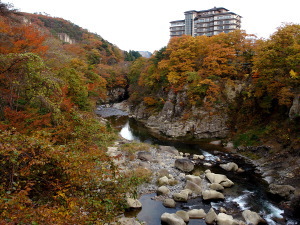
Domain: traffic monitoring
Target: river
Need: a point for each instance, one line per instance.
(249, 191)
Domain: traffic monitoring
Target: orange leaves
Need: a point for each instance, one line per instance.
(150, 101)
(20, 39)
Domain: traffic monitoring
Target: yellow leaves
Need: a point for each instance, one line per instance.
(294, 75)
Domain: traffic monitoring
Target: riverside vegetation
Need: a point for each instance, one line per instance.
(54, 165)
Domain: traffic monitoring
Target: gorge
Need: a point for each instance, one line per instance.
(249, 192)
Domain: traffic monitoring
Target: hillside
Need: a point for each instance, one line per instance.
(230, 87)
(52, 145)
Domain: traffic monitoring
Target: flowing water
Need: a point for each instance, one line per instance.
(249, 191)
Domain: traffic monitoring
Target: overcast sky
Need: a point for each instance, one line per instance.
(144, 25)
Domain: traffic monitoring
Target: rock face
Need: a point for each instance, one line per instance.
(116, 94)
(184, 165)
(295, 109)
(284, 191)
(253, 218)
(203, 123)
(172, 219)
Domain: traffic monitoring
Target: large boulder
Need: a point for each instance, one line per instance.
(196, 213)
(211, 216)
(227, 183)
(231, 166)
(145, 156)
(163, 190)
(212, 194)
(169, 203)
(172, 219)
(127, 221)
(219, 179)
(163, 181)
(169, 149)
(216, 187)
(196, 179)
(182, 196)
(184, 215)
(253, 218)
(284, 191)
(184, 165)
(215, 178)
(195, 188)
(133, 203)
(224, 219)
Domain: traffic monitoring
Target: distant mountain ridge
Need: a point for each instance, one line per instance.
(145, 54)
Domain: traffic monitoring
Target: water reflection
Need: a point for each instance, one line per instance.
(127, 133)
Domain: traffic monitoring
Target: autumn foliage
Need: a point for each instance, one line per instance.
(54, 167)
(262, 74)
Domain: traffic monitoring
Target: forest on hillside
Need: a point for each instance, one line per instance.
(263, 75)
(54, 169)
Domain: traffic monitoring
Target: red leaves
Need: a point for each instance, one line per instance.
(20, 39)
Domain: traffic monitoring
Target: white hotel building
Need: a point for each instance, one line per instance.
(206, 22)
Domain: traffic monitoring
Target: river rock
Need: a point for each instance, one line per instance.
(162, 172)
(133, 203)
(196, 179)
(195, 188)
(184, 215)
(216, 187)
(224, 219)
(217, 142)
(253, 218)
(127, 221)
(145, 156)
(227, 183)
(163, 190)
(215, 178)
(169, 149)
(231, 166)
(181, 197)
(172, 219)
(184, 165)
(163, 181)
(284, 191)
(211, 216)
(212, 194)
(196, 214)
(169, 203)
(195, 156)
(219, 179)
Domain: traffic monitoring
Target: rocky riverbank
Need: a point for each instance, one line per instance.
(278, 166)
(176, 178)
